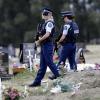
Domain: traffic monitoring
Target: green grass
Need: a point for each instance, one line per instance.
(25, 74)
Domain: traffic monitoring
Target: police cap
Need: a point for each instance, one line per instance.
(68, 14)
(46, 11)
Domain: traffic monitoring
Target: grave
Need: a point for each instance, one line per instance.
(28, 54)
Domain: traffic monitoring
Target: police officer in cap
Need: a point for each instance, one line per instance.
(68, 37)
(46, 42)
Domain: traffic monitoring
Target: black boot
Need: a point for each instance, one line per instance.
(54, 77)
(35, 84)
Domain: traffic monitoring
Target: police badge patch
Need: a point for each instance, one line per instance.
(65, 27)
(50, 25)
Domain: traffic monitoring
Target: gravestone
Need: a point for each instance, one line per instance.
(28, 50)
(28, 54)
(4, 56)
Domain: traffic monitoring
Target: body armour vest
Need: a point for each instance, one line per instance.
(43, 32)
(71, 36)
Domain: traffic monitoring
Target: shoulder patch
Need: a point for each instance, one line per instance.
(50, 24)
(65, 27)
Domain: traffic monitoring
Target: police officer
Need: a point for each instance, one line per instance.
(46, 42)
(68, 39)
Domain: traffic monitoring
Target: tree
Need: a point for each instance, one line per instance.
(15, 21)
(85, 19)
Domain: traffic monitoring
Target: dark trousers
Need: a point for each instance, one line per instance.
(68, 52)
(46, 59)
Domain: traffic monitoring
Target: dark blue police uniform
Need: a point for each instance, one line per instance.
(69, 43)
(46, 55)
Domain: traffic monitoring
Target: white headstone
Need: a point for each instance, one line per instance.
(30, 60)
(10, 66)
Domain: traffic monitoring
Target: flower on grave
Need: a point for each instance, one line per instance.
(11, 94)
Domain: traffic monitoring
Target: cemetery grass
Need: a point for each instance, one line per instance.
(89, 90)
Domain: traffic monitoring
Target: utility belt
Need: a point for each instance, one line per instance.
(72, 43)
(49, 39)
(68, 41)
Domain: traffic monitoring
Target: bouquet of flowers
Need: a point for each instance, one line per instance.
(11, 94)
